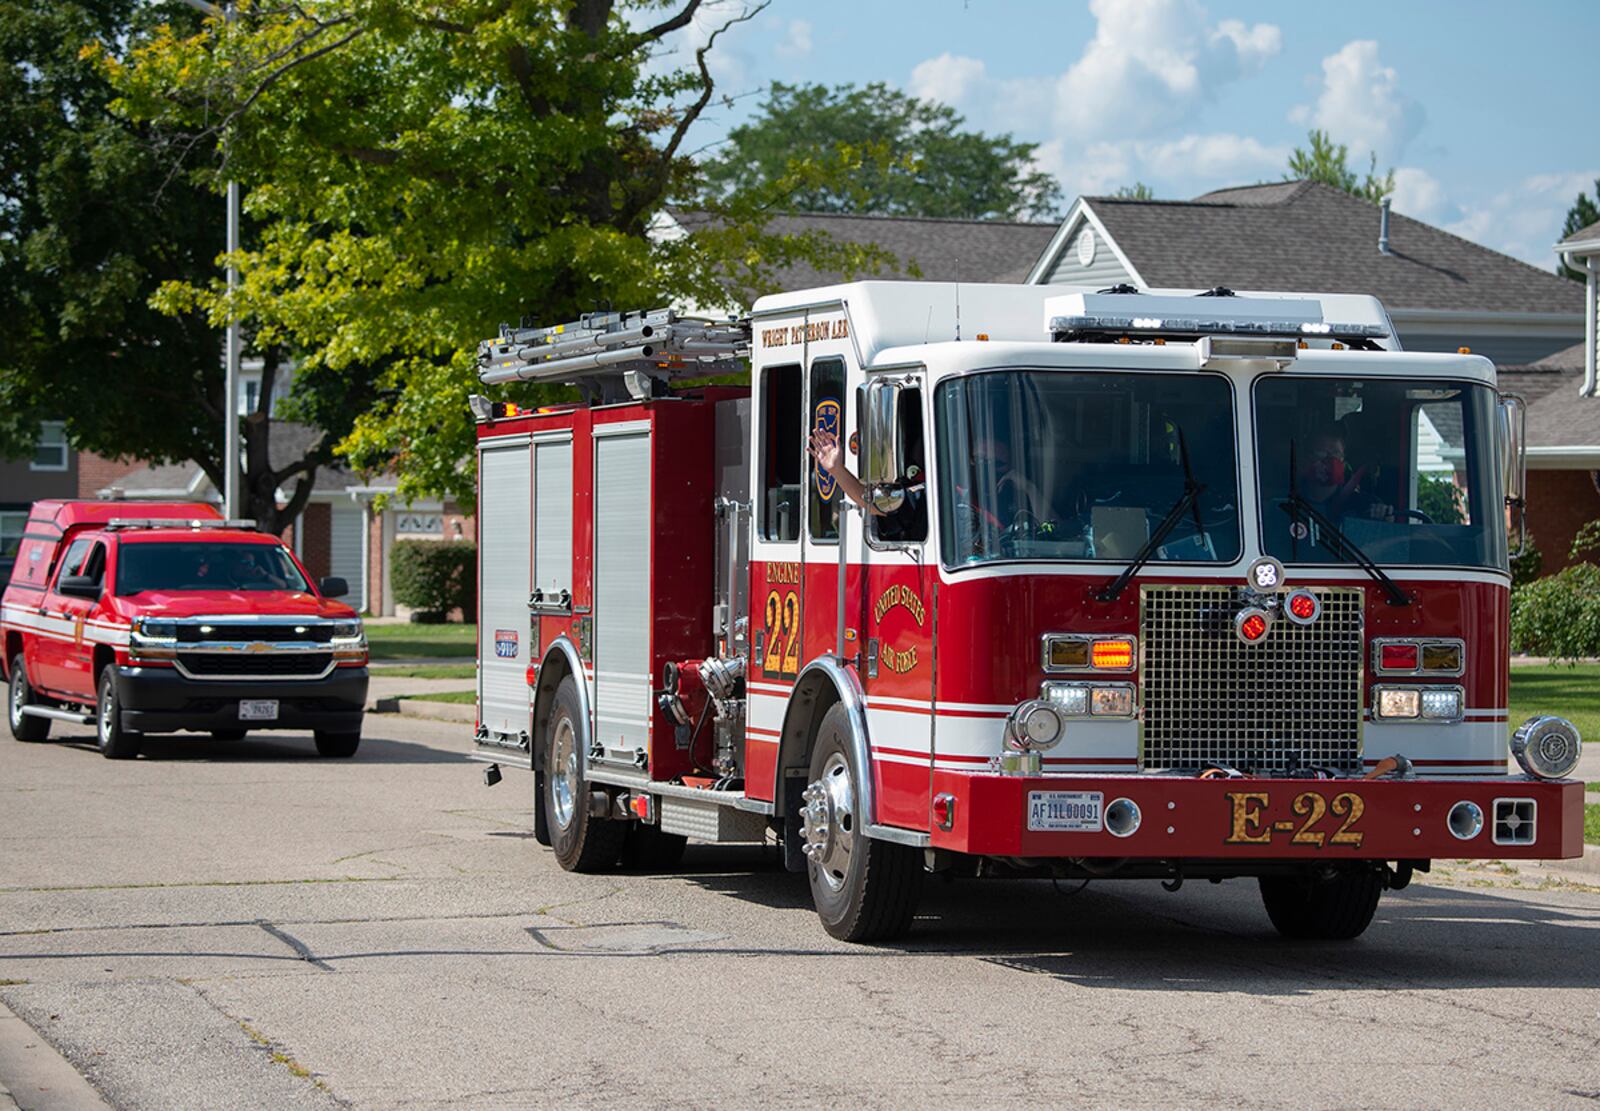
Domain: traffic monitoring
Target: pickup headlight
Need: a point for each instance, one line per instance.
(156, 630)
(347, 630)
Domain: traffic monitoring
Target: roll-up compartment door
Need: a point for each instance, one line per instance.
(503, 575)
(552, 538)
(622, 554)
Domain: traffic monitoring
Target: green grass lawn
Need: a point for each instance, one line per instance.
(425, 671)
(1591, 823)
(411, 642)
(445, 696)
(1572, 692)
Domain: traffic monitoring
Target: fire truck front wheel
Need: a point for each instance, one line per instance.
(1330, 908)
(582, 842)
(864, 889)
(24, 727)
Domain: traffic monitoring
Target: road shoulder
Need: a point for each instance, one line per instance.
(34, 1076)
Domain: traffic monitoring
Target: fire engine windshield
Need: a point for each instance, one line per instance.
(1405, 469)
(199, 565)
(1074, 465)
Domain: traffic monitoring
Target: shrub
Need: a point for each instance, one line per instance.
(1526, 565)
(434, 577)
(1559, 616)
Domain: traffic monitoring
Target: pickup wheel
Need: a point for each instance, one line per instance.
(1323, 909)
(337, 745)
(24, 727)
(864, 889)
(116, 743)
(582, 841)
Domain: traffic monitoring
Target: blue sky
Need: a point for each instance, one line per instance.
(1487, 111)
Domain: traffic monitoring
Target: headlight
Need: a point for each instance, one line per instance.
(1033, 726)
(1435, 704)
(1069, 698)
(347, 630)
(1442, 704)
(157, 630)
(1398, 702)
(1547, 747)
(1080, 700)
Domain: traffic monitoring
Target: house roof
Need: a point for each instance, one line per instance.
(290, 441)
(1303, 235)
(934, 250)
(1583, 237)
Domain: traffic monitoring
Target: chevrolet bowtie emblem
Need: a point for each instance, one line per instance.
(258, 646)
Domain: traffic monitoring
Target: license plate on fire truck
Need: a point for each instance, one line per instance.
(1068, 811)
(259, 709)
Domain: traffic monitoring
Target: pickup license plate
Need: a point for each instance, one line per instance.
(261, 709)
(1065, 811)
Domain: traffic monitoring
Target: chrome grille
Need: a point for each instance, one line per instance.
(1291, 700)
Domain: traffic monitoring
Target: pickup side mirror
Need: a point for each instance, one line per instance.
(79, 586)
(333, 587)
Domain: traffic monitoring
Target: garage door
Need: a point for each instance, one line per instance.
(346, 557)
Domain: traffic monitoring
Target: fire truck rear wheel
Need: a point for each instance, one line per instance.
(864, 889)
(116, 743)
(581, 841)
(24, 727)
(1336, 908)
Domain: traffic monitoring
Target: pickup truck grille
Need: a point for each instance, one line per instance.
(289, 632)
(226, 665)
(1290, 700)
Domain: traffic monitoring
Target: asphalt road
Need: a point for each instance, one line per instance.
(245, 925)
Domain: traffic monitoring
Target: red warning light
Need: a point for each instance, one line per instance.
(1251, 625)
(1302, 607)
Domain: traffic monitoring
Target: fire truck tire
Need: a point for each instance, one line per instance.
(864, 889)
(646, 848)
(24, 727)
(1333, 909)
(337, 745)
(116, 743)
(581, 841)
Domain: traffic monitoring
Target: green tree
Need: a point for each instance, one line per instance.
(1138, 191)
(94, 220)
(1328, 162)
(878, 150)
(421, 172)
(1583, 212)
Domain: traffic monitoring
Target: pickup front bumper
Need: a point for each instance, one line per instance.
(160, 700)
(1309, 820)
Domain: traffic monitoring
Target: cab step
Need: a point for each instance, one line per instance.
(77, 717)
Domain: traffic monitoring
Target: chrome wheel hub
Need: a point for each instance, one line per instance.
(19, 699)
(828, 821)
(563, 773)
(103, 725)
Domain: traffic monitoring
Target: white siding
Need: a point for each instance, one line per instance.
(1102, 272)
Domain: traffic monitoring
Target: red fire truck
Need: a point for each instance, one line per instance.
(1169, 584)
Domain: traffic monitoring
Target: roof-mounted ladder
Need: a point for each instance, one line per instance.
(611, 355)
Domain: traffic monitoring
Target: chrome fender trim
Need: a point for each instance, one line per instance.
(814, 679)
(545, 691)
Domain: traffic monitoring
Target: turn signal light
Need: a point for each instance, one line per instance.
(1113, 655)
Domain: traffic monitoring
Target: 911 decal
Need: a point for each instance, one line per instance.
(505, 643)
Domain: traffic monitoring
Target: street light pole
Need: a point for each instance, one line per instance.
(231, 344)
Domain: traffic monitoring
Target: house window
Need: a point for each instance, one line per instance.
(13, 522)
(50, 453)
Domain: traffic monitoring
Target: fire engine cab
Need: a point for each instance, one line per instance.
(1170, 584)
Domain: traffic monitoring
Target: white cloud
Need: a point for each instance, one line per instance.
(1525, 220)
(796, 42)
(1361, 105)
(1418, 194)
(1223, 157)
(950, 79)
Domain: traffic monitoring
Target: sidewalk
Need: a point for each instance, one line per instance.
(388, 696)
(33, 1075)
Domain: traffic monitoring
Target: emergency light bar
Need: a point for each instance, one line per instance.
(1081, 316)
(173, 522)
(655, 345)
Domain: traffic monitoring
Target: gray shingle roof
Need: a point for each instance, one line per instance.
(1563, 419)
(289, 442)
(1586, 237)
(1307, 236)
(929, 249)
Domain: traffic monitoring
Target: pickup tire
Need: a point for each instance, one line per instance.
(116, 743)
(24, 727)
(337, 745)
(1336, 908)
(582, 842)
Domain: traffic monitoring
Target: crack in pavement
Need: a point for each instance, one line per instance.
(301, 949)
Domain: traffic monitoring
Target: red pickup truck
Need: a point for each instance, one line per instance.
(156, 617)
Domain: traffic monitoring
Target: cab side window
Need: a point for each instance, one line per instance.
(73, 560)
(94, 565)
(781, 452)
(827, 415)
(909, 523)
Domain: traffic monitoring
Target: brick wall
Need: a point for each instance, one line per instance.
(95, 473)
(1559, 504)
(316, 547)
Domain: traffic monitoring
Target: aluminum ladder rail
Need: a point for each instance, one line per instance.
(657, 345)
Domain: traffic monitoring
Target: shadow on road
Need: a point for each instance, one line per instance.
(272, 749)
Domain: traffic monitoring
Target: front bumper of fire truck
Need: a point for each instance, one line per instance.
(1161, 817)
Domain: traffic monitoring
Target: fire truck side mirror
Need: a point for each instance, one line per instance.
(1514, 465)
(880, 435)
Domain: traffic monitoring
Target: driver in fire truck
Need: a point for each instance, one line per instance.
(1333, 487)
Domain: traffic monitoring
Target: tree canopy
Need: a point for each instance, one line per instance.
(1328, 162)
(879, 151)
(418, 174)
(1584, 211)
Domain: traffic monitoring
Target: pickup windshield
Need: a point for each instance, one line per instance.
(1405, 469)
(1085, 465)
(199, 565)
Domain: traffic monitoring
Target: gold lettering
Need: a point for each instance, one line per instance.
(788, 573)
(1247, 807)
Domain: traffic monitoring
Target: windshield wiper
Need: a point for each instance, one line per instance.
(1330, 537)
(1190, 497)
